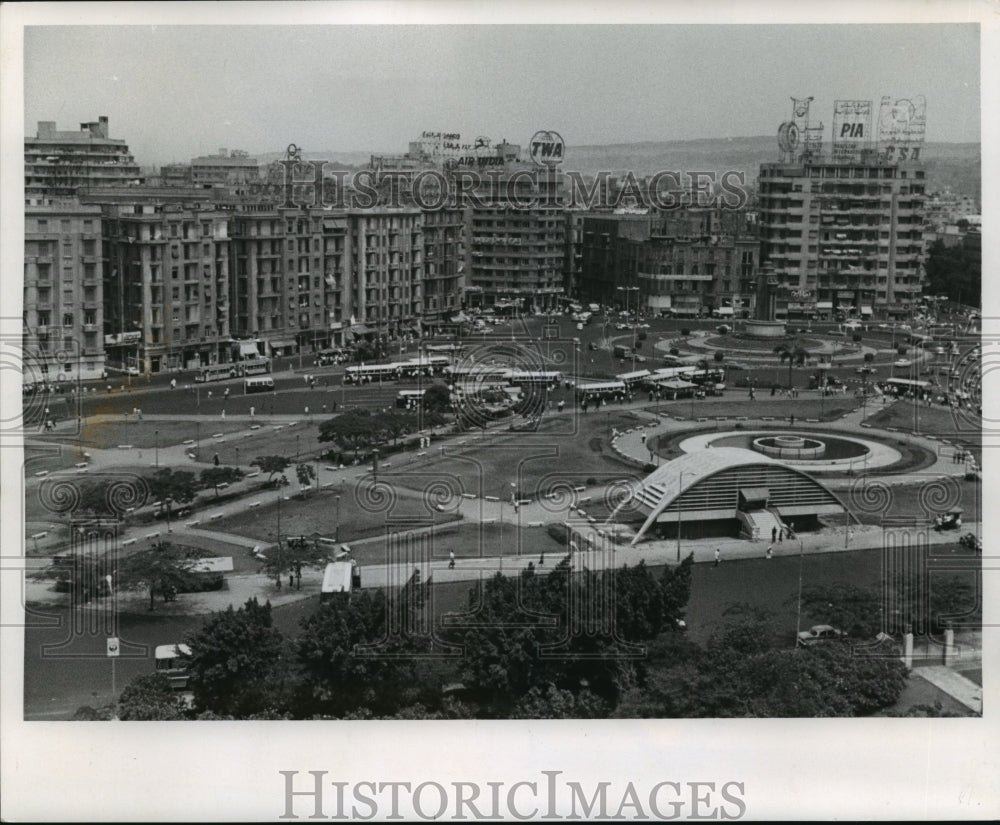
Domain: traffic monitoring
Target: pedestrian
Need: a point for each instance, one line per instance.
(541, 559)
(173, 383)
(791, 529)
(451, 559)
(770, 550)
(774, 534)
(226, 394)
(223, 415)
(781, 534)
(718, 556)
(139, 410)
(215, 459)
(251, 413)
(643, 438)
(209, 393)
(109, 389)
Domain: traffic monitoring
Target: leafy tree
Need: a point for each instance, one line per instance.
(351, 430)
(291, 555)
(557, 703)
(150, 698)
(869, 357)
(437, 398)
(237, 663)
(956, 271)
(161, 568)
(719, 356)
(271, 464)
(305, 473)
(349, 660)
(215, 476)
(179, 485)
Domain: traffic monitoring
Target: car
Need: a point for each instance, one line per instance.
(819, 633)
(621, 326)
(644, 326)
(865, 370)
(902, 362)
(722, 329)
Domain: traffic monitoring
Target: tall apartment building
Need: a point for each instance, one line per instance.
(843, 236)
(444, 265)
(687, 262)
(60, 163)
(517, 240)
(63, 291)
(166, 272)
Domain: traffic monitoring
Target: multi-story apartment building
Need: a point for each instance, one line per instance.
(60, 163)
(444, 265)
(517, 240)
(686, 262)
(844, 236)
(166, 276)
(63, 290)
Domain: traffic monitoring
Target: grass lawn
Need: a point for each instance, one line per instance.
(317, 513)
(535, 461)
(957, 426)
(909, 500)
(147, 434)
(824, 409)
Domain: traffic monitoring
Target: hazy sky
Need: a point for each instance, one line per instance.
(176, 92)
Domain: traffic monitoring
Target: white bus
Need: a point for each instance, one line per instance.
(409, 399)
(261, 384)
(537, 377)
(605, 390)
(902, 386)
(631, 379)
(253, 366)
(371, 373)
(216, 372)
(171, 665)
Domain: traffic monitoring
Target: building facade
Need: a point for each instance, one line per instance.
(63, 291)
(63, 163)
(843, 237)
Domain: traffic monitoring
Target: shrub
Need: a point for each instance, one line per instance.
(642, 335)
(856, 337)
(901, 350)
(674, 351)
(685, 331)
(557, 532)
(648, 468)
(719, 355)
(638, 345)
(591, 482)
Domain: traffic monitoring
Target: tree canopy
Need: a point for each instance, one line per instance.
(237, 663)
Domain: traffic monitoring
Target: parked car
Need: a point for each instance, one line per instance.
(819, 633)
(865, 370)
(948, 521)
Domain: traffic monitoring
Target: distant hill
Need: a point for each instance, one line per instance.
(954, 166)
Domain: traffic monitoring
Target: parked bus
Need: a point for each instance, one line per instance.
(536, 377)
(606, 390)
(373, 372)
(426, 365)
(171, 665)
(216, 372)
(478, 374)
(263, 383)
(253, 366)
(902, 386)
(409, 399)
(445, 348)
(709, 376)
(632, 379)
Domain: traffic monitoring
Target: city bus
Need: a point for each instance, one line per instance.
(216, 372)
(902, 386)
(264, 383)
(170, 663)
(709, 376)
(373, 372)
(409, 399)
(254, 366)
(426, 365)
(445, 348)
(606, 390)
(536, 377)
(478, 374)
(631, 379)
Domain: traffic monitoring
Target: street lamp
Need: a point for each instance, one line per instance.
(156, 433)
(336, 525)
(168, 501)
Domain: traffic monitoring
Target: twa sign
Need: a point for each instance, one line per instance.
(547, 148)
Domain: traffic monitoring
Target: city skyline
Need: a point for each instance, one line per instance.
(397, 81)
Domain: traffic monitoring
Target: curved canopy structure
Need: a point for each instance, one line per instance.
(717, 483)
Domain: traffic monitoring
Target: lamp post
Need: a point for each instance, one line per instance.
(156, 434)
(168, 501)
(336, 525)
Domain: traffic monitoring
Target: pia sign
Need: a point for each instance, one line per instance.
(547, 148)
